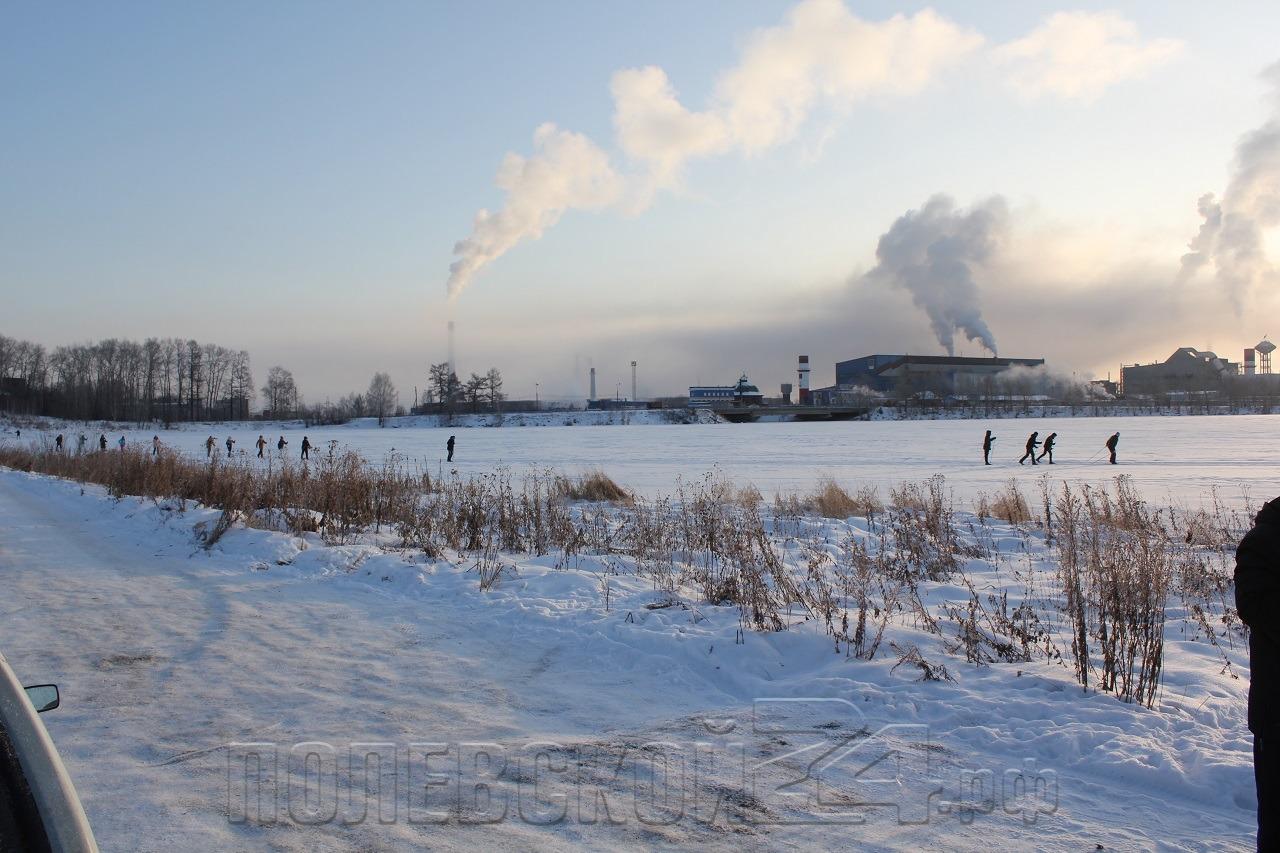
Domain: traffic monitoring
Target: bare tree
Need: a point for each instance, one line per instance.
(280, 393)
(382, 397)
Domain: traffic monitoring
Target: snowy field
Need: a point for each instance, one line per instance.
(1171, 460)
(573, 704)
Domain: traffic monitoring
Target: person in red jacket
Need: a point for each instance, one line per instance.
(1258, 601)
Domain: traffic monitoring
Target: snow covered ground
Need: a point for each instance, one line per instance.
(1174, 460)
(572, 704)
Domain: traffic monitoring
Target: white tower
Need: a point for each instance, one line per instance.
(633, 382)
(1264, 350)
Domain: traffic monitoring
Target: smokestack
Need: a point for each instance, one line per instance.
(804, 380)
(593, 384)
(453, 368)
(1250, 365)
(633, 382)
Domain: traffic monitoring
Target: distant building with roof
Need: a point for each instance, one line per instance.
(1188, 369)
(741, 394)
(883, 372)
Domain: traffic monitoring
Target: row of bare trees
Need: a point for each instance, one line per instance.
(166, 379)
(474, 393)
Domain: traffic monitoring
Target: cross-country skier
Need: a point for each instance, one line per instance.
(1032, 443)
(57, 442)
(1111, 446)
(449, 444)
(987, 441)
(281, 444)
(1048, 447)
(306, 447)
(102, 441)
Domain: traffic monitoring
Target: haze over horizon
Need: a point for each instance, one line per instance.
(704, 190)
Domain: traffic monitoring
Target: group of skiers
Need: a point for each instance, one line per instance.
(1034, 444)
(60, 441)
(261, 444)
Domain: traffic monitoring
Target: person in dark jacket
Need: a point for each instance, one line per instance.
(306, 447)
(1111, 446)
(1048, 447)
(208, 447)
(281, 444)
(57, 442)
(987, 441)
(1258, 601)
(1033, 441)
(102, 441)
(231, 442)
(449, 445)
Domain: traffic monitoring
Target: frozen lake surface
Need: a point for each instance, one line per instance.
(1170, 459)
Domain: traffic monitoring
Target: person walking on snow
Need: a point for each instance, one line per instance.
(102, 441)
(155, 445)
(208, 447)
(262, 443)
(449, 444)
(1257, 580)
(1048, 447)
(987, 441)
(306, 447)
(1111, 446)
(281, 444)
(1032, 443)
(120, 444)
(80, 442)
(57, 442)
(230, 443)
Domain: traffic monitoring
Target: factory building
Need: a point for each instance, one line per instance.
(933, 372)
(1188, 369)
(741, 394)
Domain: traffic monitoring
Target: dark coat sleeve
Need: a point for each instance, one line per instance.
(1258, 580)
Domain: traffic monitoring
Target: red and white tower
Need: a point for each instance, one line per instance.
(804, 380)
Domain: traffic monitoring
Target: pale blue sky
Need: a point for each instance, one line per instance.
(290, 178)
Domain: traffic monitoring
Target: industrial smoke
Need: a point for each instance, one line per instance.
(932, 253)
(1231, 236)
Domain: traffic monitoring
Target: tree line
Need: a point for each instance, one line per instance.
(171, 379)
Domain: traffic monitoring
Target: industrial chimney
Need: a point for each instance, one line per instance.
(593, 384)
(1250, 364)
(804, 380)
(633, 382)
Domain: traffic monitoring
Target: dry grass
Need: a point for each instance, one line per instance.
(593, 486)
(831, 500)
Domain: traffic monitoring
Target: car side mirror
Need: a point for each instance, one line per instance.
(44, 697)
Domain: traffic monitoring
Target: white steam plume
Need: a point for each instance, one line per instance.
(821, 54)
(932, 254)
(1231, 237)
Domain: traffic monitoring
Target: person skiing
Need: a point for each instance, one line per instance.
(1032, 443)
(449, 444)
(1257, 578)
(281, 444)
(1048, 447)
(306, 447)
(57, 442)
(987, 441)
(120, 444)
(262, 443)
(208, 447)
(155, 445)
(230, 443)
(1111, 446)
(102, 441)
